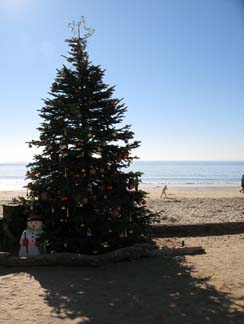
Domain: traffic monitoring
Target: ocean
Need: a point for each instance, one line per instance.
(155, 173)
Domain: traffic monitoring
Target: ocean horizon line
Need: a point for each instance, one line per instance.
(139, 160)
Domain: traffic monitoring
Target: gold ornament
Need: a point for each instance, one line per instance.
(62, 146)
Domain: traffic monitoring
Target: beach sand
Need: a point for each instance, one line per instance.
(206, 288)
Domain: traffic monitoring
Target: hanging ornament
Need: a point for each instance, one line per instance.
(116, 212)
(92, 171)
(29, 184)
(144, 202)
(33, 173)
(45, 126)
(85, 201)
(54, 85)
(109, 187)
(126, 141)
(119, 159)
(44, 195)
(78, 144)
(77, 175)
(89, 233)
(101, 170)
(92, 102)
(77, 197)
(63, 146)
(131, 184)
(64, 198)
(60, 156)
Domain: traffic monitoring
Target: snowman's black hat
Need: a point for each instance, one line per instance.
(35, 217)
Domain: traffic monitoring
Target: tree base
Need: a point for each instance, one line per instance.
(72, 259)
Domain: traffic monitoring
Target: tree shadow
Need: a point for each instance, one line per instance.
(146, 291)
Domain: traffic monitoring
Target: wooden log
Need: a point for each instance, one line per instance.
(72, 259)
(182, 230)
(193, 250)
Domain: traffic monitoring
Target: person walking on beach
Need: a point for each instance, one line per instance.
(242, 184)
(165, 188)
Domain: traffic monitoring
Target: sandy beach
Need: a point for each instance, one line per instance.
(206, 288)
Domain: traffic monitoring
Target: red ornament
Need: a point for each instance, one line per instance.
(33, 173)
(77, 175)
(101, 170)
(29, 184)
(119, 159)
(79, 143)
(64, 198)
(109, 187)
(144, 202)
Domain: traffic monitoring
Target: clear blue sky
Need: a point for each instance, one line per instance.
(179, 64)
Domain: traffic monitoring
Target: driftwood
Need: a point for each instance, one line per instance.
(72, 259)
(182, 251)
(183, 230)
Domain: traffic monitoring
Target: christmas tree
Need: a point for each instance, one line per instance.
(78, 183)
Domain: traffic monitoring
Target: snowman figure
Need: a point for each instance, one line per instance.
(29, 245)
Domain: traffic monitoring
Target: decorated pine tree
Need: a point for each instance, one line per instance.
(79, 183)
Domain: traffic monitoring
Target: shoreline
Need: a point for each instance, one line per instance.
(213, 191)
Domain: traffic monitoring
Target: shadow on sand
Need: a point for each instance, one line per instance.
(147, 291)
